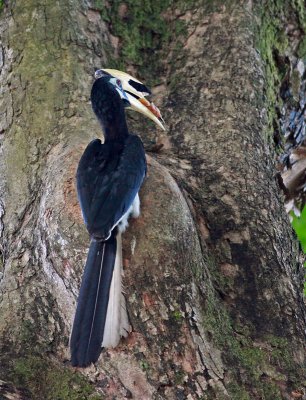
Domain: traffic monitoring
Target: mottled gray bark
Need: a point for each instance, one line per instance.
(212, 274)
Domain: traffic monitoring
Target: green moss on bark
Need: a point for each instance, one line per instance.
(299, 7)
(267, 365)
(47, 380)
(273, 44)
(302, 49)
(237, 392)
(272, 41)
(146, 30)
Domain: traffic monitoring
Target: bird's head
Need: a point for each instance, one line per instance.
(132, 93)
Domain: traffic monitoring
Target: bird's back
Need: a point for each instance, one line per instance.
(108, 178)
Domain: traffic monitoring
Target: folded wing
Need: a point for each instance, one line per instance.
(108, 178)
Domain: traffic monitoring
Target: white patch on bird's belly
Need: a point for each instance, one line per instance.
(134, 211)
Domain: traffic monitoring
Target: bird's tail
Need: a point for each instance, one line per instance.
(101, 316)
(117, 322)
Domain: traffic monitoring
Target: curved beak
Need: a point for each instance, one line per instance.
(135, 92)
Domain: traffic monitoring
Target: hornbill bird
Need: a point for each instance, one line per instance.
(109, 176)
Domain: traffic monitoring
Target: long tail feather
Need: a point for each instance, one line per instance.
(117, 323)
(89, 321)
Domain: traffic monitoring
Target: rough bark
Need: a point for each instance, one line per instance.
(212, 272)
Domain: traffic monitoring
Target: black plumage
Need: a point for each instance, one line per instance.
(87, 334)
(140, 87)
(109, 176)
(108, 179)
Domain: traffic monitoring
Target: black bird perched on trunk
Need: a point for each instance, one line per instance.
(109, 176)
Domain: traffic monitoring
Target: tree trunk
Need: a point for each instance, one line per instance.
(213, 276)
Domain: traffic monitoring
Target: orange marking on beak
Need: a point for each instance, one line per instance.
(151, 106)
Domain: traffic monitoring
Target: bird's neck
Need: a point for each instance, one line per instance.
(114, 127)
(109, 110)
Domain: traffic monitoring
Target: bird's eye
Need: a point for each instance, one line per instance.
(118, 82)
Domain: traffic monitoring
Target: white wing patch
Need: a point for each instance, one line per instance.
(133, 211)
